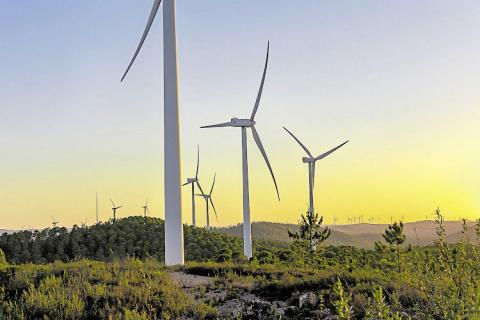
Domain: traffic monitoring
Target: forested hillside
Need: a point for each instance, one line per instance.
(130, 237)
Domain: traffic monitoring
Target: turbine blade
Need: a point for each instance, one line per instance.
(299, 142)
(186, 183)
(219, 125)
(260, 90)
(214, 210)
(153, 13)
(198, 161)
(200, 187)
(113, 204)
(256, 137)
(213, 184)
(323, 155)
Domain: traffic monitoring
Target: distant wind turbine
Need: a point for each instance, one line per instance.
(114, 209)
(145, 209)
(193, 182)
(208, 201)
(174, 253)
(244, 124)
(310, 160)
(54, 222)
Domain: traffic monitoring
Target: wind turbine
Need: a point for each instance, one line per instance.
(173, 203)
(145, 209)
(310, 160)
(193, 182)
(244, 124)
(114, 208)
(54, 222)
(208, 200)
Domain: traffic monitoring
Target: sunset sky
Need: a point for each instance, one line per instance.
(399, 79)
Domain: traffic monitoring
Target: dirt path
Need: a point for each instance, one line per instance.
(188, 281)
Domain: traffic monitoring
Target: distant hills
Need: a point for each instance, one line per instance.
(359, 235)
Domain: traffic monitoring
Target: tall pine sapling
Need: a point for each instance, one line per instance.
(394, 236)
(311, 234)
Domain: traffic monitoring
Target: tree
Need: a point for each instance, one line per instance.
(3, 261)
(310, 235)
(394, 236)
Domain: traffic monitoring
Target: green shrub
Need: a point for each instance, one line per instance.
(3, 260)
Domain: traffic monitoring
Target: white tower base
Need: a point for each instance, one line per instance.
(173, 203)
(247, 228)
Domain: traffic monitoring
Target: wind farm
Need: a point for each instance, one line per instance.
(349, 190)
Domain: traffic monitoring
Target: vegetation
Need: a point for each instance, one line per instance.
(395, 237)
(441, 281)
(3, 260)
(93, 290)
(134, 237)
(309, 236)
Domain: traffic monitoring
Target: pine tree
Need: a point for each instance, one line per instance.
(310, 235)
(394, 236)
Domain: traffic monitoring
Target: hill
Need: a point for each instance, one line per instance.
(359, 235)
(2, 231)
(137, 237)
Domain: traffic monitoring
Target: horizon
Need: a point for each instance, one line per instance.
(330, 225)
(399, 80)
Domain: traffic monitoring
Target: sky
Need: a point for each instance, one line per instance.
(399, 79)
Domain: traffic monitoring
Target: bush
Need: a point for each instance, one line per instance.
(3, 260)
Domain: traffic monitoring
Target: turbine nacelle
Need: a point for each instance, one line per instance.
(242, 122)
(192, 180)
(308, 160)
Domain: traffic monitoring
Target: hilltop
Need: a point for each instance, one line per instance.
(359, 235)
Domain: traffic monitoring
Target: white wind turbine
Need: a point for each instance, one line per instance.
(310, 160)
(208, 201)
(244, 124)
(173, 210)
(193, 182)
(145, 209)
(114, 209)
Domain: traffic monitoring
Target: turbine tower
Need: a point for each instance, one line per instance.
(114, 209)
(96, 205)
(310, 160)
(145, 209)
(193, 182)
(208, 200)
(174, 254)
(244, 124)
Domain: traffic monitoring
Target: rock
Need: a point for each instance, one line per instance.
(307, 299)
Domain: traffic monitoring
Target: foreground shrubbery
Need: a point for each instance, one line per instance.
(94, 290)
(394, 281)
